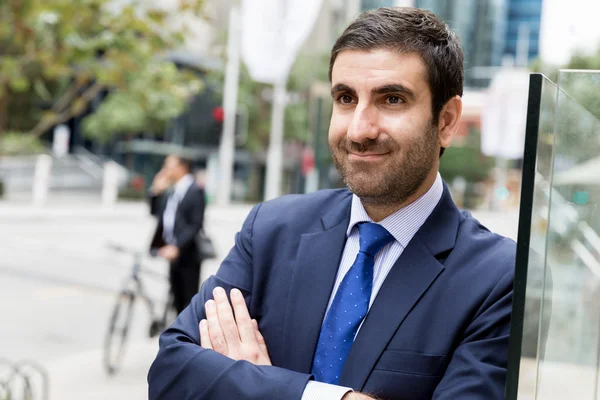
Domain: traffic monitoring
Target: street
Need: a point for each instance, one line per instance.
(59, 285)
(59, 282)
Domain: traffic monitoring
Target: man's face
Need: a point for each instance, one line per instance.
(382, 136)
(173, 168)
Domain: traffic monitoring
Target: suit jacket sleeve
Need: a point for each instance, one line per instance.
(184, 370)
(189, 231)
(156, 202)
(477, 369)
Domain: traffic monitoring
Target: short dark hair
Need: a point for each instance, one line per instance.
(186, 162)
(410, 30)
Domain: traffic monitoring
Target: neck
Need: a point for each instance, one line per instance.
(379, 212)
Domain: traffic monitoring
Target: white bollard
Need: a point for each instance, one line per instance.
(60, 144)
(110, 184)
(41, 180)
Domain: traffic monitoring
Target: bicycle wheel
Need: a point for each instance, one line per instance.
(118, 329)
(168, 317)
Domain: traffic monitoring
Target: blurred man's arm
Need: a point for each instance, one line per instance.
(188, 233)
(155, 201)
(183, 369)
(155, 195)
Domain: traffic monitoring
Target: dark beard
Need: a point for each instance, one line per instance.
(402, 176)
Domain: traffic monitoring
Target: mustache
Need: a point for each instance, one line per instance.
(367, 146)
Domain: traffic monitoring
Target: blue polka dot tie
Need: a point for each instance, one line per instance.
(349, 306)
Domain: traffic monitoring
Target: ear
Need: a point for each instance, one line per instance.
(449, 121)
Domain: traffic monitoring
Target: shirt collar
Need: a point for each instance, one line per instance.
(404, 223)
(182, 185)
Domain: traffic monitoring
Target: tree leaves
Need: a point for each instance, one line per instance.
(114, 44)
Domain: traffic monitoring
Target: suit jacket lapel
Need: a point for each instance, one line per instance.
(313, 278)
(409, 279)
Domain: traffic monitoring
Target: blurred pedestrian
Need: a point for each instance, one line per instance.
(178, 203)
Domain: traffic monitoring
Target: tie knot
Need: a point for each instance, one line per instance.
(373, 237)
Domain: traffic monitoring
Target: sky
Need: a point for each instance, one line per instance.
(568, 25)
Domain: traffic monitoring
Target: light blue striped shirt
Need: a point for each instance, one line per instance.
(403, 225)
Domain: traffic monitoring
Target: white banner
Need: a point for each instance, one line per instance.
(504, 114)
(272, 33)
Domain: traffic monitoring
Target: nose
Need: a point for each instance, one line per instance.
(363, 125)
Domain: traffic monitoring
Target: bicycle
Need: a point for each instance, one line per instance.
(25, 380)
(121, 317)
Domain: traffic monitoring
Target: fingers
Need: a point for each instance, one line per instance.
(204, 335)
(259, 338)
(242, 317)
(226, 320)
(216, 336)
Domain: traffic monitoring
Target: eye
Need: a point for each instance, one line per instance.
(394, 100)
(345, 99)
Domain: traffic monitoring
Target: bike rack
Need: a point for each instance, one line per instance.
(23, 380)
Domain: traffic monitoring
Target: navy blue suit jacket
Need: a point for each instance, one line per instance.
(438, 328)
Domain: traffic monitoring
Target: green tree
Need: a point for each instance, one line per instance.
(584, 92)
(63, 53)
(578, 106)
(466, 160)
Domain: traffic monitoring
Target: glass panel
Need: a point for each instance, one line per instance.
(555, 335)
(533, 226)
(569, 366)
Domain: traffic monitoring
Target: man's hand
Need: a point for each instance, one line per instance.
(160, 183)
(237, 338)
(169, 252)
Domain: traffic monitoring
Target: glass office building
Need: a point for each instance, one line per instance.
(523, 16)
(489, 30)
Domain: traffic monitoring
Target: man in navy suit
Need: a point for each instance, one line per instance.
(385, 290)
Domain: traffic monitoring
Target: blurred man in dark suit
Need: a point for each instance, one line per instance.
(180, 214)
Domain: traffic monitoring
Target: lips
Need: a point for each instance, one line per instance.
(366, 156)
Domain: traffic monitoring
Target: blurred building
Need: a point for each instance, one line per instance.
(524, 17)
(371, 4)
(489, 31)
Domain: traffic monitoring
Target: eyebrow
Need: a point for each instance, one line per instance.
(340, 87)
(385, 89)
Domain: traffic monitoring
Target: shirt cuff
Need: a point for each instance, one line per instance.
(324, 391)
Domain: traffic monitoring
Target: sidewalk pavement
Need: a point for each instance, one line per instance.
(82, 376)
(125, 209)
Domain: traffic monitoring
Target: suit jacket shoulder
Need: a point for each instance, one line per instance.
(302, 212)
(497, 252)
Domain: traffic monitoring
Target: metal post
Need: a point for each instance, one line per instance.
(232, 74)
(275, 154)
